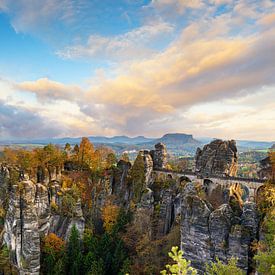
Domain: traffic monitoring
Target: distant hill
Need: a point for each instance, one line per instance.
(177, 143)
(178, 139)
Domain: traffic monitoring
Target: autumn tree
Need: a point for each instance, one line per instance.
(109, 215)
(76, 153)
(26, 160)
(86, 153)
(125, 157)
(68, 150)
(53, 249)
(265, 257)
(111, 159)
(272, 160)
(10, 156)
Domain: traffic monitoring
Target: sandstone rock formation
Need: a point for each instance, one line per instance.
(23, 225)
(215, 220)
(207, 233)
(217, 158)
(265, 171)
(159, 156)
(29, 218)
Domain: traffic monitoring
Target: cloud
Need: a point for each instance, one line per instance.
(268, 19)
(18, 122)
(137, 43)
(204, 64)
(29, 16)
(211, 63)
(178, 6)
(46, 89)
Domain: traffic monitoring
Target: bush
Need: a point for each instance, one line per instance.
(219, 268)
(181, 267)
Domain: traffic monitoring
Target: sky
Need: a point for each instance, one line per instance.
(71, 68)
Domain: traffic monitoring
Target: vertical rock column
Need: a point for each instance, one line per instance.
(22, 228)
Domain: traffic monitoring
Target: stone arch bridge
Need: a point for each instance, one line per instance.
(251, 184)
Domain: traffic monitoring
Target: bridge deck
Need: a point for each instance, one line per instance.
(190, 173)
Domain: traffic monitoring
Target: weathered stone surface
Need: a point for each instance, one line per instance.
(159, 156)
(265, 171)
(220, 221)
(29, 218)
(217, 158)
(22, 228)
(207, 233)
(195, 235)
(148, 165)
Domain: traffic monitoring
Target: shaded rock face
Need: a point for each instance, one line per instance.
(159, 156)
(119, 182)
(217, 158)
(29, 218)
(207, 233)
(265, 171)
(26, 218)
(148, 165)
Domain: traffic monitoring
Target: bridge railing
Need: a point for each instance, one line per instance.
(190, 173)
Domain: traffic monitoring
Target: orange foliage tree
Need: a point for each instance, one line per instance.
(53, 244)
(272, 160)
(86, 152)
(109, 215)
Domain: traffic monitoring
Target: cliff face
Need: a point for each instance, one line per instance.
(208, 233)
(217, 158)
(159, 156)
(29, 218)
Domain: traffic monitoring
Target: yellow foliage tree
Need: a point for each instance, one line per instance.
(109, 215)
(86, 152)
(272, 160)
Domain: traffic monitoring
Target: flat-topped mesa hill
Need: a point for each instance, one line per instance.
(177, 139)
(178, 143)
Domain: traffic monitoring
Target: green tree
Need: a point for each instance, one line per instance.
(5, 263)
(181, 266)
(125, 157)
(111, 160)
(220, 268)
(53, 249)
(265, 257)
(74, 253)
(68, 149)
(138, 178)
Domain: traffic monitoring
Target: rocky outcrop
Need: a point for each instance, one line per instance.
(159, 156)
(29, 218)
(217, 158)
(207, 233)
(22, 226)
(265, 171)
(148, 165)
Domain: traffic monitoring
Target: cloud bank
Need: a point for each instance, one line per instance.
(207, 61)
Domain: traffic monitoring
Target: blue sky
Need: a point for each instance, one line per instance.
(75, 68)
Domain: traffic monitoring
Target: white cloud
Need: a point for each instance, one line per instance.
(137, 43)
(207, 81)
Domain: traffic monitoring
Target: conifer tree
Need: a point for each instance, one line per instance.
(74, 253)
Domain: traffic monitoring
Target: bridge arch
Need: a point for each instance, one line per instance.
(259, 193)
(184, 178)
